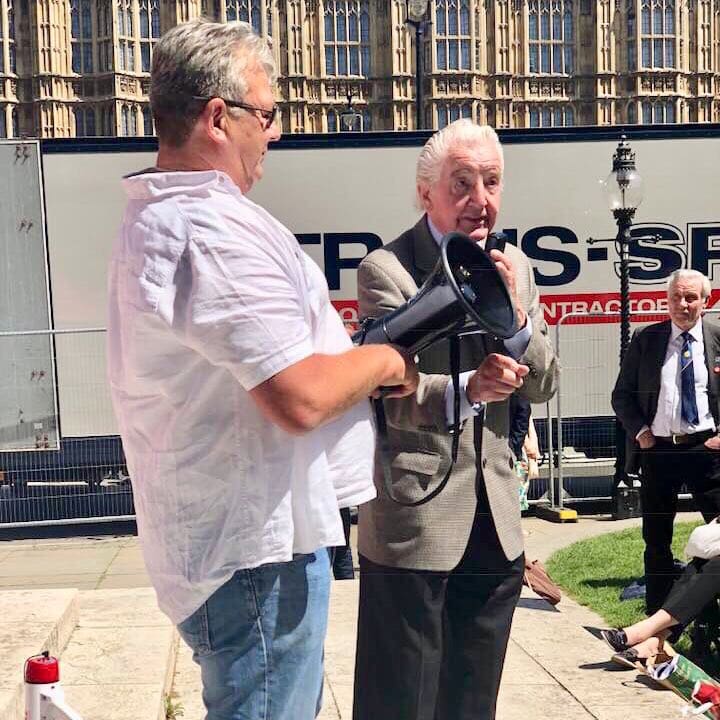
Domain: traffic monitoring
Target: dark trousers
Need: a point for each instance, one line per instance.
(431, 645)
(665, 468)
(341, 555)
(694, 590)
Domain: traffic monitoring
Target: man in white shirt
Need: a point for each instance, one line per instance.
(241, 402)
(666, 397)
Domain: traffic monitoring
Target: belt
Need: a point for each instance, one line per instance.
(690, 439)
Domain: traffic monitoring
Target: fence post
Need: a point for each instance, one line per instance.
(555, 511)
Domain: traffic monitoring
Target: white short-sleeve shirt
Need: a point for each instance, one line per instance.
(209, 296)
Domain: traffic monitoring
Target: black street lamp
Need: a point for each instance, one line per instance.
(624, 192)
(417, 17)
(350, 119)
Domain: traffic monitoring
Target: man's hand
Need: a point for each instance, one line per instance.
(496, 379)
(405, 379)
(506, 268)
(713, 443)
(646, 440)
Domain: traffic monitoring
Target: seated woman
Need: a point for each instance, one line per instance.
(691, 594)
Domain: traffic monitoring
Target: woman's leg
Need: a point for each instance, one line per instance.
(657, 623)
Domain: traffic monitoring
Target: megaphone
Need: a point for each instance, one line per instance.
(464, 288)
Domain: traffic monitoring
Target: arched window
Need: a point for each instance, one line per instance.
(3, 122)
(147, 121)
(332, 121)
(442, 117)
(149, 31)
(133, 121)
(125, 120)
(657, 34)
(658, 112)
(11, 36)
(366, 120)
(547, 116)
(82, 36)
(450, 112)
(452, 34)
(347, 37)
(14, 123)
(632, 38)
(551, 37)
(79, 122)
(250, 11)
(632, 113)
(126, 30)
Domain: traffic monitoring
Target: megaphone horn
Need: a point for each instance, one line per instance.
(464, 286)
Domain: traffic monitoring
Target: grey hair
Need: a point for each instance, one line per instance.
(205, 59)
(687, 274)
(437, 148)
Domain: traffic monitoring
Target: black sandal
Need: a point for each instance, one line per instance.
(629, 658)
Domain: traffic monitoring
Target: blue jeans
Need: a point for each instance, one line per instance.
(259, 641)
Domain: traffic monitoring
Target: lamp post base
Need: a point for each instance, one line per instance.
(626, 503)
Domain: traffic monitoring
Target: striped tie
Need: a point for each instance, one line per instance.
(688, 404)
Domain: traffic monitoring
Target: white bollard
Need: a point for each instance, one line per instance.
(44, 697)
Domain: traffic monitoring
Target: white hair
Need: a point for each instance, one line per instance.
(436, 150)
(687, 274)
(200, 58)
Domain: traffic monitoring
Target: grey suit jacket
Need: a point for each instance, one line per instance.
(434, 536)
(637, 389)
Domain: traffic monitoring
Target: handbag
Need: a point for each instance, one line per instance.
(537, 579)
(704, 541)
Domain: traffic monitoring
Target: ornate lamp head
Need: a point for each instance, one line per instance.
(624, 187)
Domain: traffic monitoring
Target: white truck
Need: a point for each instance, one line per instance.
(344, 195)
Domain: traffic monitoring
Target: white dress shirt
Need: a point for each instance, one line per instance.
(209, 297)
(515, 346)
(668, 418)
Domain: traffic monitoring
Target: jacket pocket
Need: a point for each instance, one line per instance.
(414, 474)
(422, 463)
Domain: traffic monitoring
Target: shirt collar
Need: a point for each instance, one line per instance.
(437, 235)
(695, 331)
(153, 183)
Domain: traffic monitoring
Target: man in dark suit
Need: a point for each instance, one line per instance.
(666, 397)
(439, 582)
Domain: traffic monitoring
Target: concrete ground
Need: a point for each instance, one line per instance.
(555, 668)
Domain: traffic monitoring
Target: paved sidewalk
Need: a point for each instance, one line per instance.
(555, 667)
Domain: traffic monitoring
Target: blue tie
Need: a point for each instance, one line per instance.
(688, 404)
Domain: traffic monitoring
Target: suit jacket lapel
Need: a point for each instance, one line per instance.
(425, 251)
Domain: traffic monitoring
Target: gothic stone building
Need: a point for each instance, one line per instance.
(80, 67)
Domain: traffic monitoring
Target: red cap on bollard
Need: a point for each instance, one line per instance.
(42, 669)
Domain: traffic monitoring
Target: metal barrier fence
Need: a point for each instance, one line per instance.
(61, 459)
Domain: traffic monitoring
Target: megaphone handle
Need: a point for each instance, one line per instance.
(384, 444)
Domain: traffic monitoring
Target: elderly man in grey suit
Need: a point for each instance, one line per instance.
(667, 397)
(439, 582)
